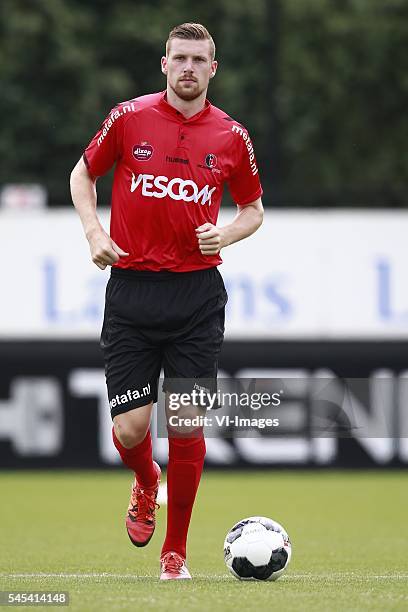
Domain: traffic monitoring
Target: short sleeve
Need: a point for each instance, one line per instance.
(105, 147)
(244, 183)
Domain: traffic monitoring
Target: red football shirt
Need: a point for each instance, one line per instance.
(169, 177)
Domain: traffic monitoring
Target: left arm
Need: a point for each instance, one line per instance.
(211, 239)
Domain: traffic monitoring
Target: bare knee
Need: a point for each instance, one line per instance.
(129, 433)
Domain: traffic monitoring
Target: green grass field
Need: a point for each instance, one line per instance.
(65, 531)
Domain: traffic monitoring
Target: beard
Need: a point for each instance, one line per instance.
(187, 93)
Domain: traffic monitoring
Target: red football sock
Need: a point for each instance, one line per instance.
(139, 459)
(186, 459)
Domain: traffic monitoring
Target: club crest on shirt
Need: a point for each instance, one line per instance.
(211, 160)
(142, 151)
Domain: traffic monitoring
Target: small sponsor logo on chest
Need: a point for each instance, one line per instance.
(210, 163)
(211, 160)
(142, 152)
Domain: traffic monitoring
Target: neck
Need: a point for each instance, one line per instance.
(188, 108)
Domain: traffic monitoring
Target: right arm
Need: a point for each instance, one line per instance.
(104, 251)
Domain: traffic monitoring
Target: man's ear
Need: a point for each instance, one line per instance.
(214, 66)
(164, 65)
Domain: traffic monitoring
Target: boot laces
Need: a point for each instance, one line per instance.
(144, 504)
(172, 562)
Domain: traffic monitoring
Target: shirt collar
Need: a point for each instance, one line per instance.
(170, 110)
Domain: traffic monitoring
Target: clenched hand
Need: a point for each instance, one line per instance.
(210, 239)
(104, 251)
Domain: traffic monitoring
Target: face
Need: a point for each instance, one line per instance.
(188, 67)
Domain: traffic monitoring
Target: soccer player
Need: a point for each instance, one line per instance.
(173, 153)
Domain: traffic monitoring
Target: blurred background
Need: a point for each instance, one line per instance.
(319, 291)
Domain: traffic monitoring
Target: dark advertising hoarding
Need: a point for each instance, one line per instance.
(54, 411)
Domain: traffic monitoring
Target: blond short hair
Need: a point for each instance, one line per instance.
(191, 31)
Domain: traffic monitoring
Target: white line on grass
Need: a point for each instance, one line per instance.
(348, 575)
(162, 494)
(65, 575)
(289, 576)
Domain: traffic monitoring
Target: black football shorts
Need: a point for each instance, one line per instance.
(155, 320)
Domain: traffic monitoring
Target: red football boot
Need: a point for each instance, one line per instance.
(141, 519)
(173, 567)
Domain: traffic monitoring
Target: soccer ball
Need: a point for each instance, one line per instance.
(257, 548)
